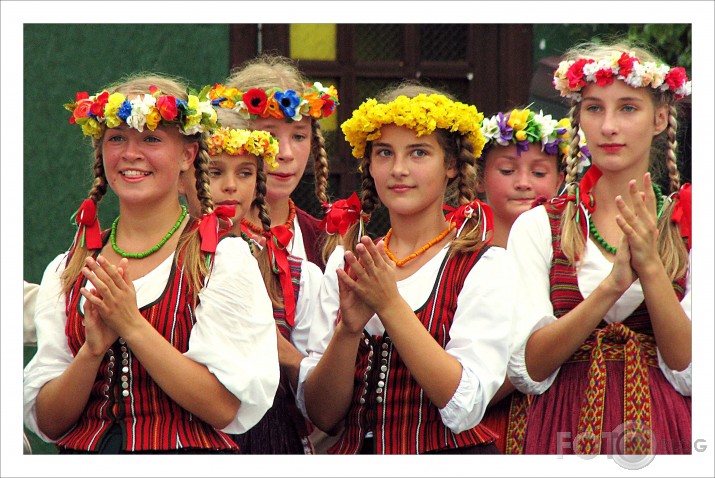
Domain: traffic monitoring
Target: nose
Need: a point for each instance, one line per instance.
(609, 127)
(132, 149)
(399, 166)
(228, 185)
(522, 180)
(285, 151)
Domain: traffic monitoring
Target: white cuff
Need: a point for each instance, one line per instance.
(517, 372)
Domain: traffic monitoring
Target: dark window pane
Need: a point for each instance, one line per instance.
(378, 42)
(443, 42)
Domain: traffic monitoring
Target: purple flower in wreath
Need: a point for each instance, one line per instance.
(506, 131)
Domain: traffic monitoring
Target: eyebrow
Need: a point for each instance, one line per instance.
(412, 145)
(623, 98)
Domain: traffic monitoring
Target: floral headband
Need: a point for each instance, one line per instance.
(237, 142)
(523, 126)
(94, 113)
(422, 114)
(316, 102)
(571, 76)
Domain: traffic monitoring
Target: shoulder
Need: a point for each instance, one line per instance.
(305, 218)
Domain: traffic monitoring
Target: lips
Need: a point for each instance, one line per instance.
(611, 147)
(134, 173)
(281, 176)
(400, 188)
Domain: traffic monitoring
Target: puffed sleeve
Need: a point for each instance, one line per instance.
(529, 245)
(323, 324)
(235, 333)
(53, 354)
(480, 338)
(681, 380)
(307, 305)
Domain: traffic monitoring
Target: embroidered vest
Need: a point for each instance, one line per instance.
(125, 394)
(386, 398)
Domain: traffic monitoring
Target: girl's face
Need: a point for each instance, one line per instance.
(294, 141)
(409, 171)
(145, 166)
(233, 182)
(511, 183)
(619, 122)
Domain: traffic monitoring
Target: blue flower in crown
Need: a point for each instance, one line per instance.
(288, 101)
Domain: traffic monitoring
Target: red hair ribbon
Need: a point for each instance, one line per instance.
(209, 226)
(460, 214)
(277, 243)
(88, 231)
(683, 212)
(583, 197)
(340, 215)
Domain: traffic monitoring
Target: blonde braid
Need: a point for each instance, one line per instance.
(320, 164)
(471, 240)
(369, 201)
(96, 193)
(259, 201)
(672, 160)
(572, 240)
(190, 244)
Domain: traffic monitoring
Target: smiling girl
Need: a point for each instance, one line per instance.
(412, 341)
(604, 271)
(150, 341)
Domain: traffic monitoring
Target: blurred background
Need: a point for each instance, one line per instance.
(493, 66)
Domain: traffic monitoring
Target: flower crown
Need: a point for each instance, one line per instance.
(237, 142)
(422, 114)
(94, 113)
(523, 126)
(316, 101)
(572, 75)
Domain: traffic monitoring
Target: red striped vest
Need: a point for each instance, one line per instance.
(125, 394)
(388, 401)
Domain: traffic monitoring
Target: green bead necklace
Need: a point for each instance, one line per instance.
(141, 255)
(602, 241)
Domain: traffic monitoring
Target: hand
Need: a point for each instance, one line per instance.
(373, 275)
(622, 274)
(639, 225)
(355, 313)
(99, 336)
(287, 353)
(115, 298)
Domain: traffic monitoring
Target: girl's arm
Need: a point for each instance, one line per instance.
(437, 372)
(329, 387)
(671, 325)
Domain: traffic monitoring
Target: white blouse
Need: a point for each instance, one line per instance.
(234, 335)
(307, 305)
(530, 246)
(479, 336)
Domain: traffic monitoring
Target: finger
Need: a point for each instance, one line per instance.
(639, 200)
(112, 272)
(383, 253)
(97, 273)
(345, 282)
(372, 249)
(356, 268)
(650, 199)
(628, 231)
(364, 256)
(92, 299)
(626, 212)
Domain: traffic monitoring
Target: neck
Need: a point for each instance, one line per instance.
(500, 235)
(409, 233)
(148, 221)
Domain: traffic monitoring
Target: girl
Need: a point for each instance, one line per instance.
(521, 163)
(607, 264)
(238, 181)
(419, 344)
(148, 340)
(274, 95)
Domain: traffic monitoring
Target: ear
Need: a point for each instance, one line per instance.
(191, 149)
(452, 172)
(662, 113)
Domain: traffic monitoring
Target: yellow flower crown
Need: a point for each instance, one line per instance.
(422, 114)
(237, 142)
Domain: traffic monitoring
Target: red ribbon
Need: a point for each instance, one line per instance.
(277, 243)
(683, 212)
(340, 215)
(460, 214)
(209, 226)
(584, 197)
(88, 223)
